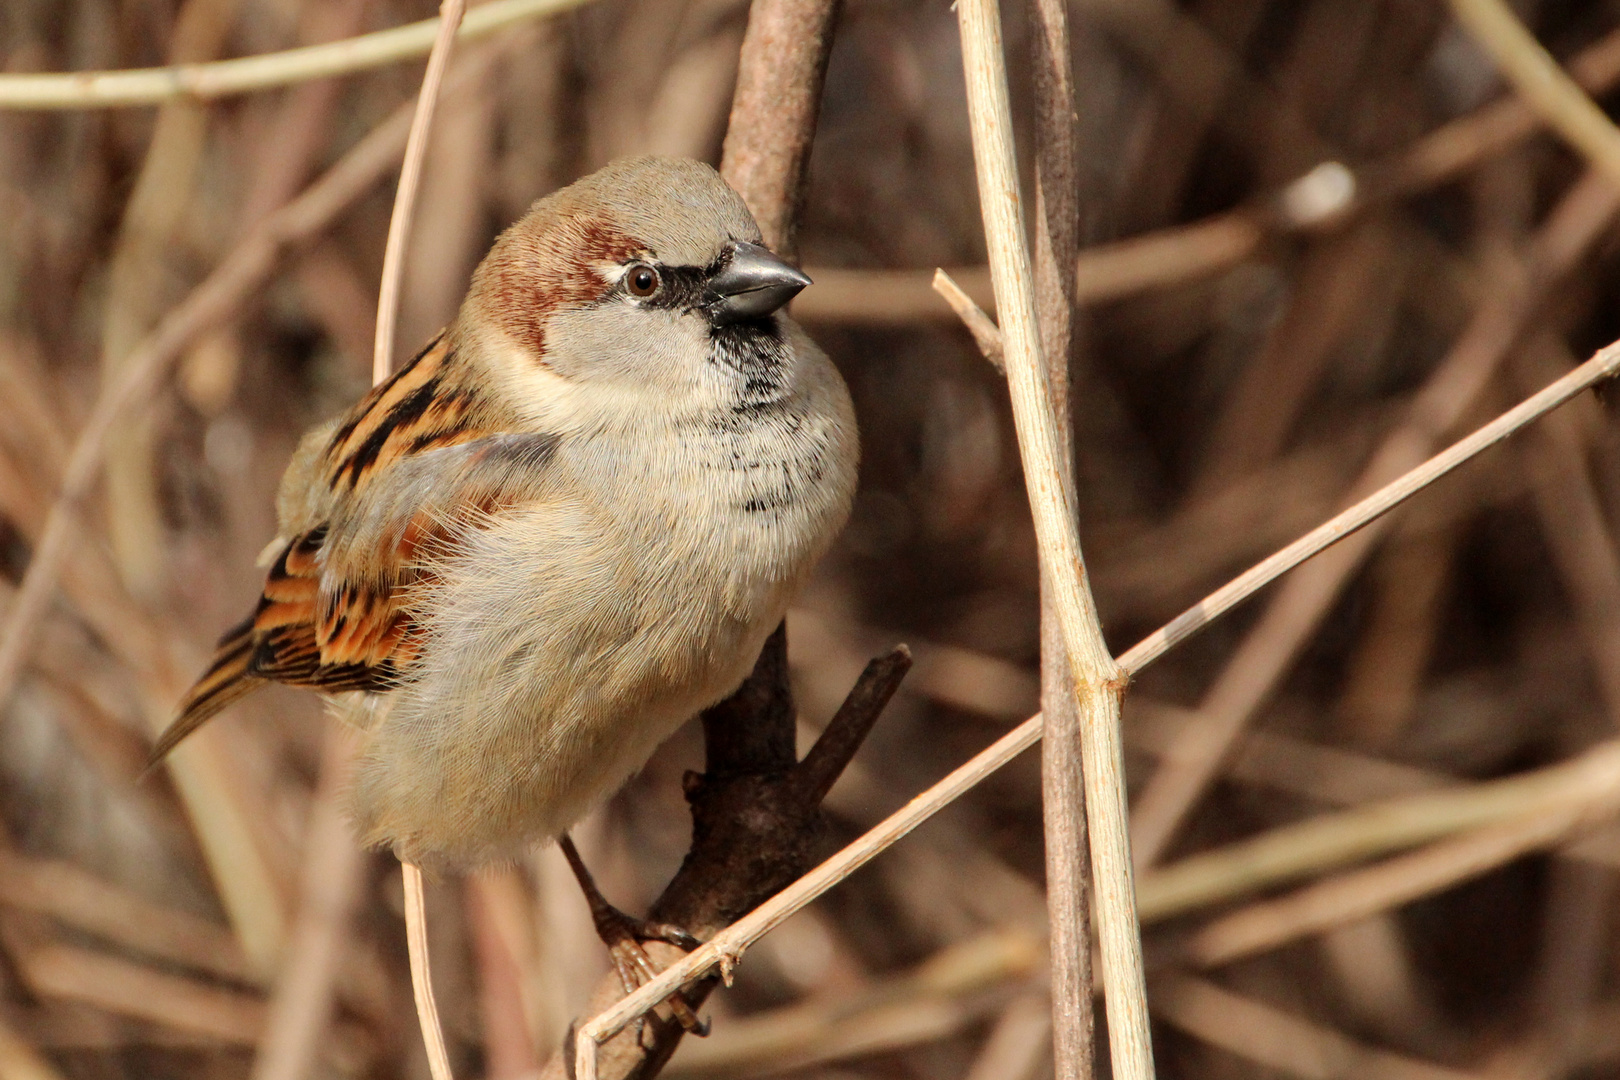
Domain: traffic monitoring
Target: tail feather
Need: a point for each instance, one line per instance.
(226, 681)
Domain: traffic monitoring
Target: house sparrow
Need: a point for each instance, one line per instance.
(561, 530)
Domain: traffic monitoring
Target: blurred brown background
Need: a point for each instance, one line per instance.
(1235, 373)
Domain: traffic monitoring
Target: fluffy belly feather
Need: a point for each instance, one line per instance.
(528, 706)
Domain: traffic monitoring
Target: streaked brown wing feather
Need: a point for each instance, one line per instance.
(277, 643)
(226, 681)
(350, 628)
(290, 645)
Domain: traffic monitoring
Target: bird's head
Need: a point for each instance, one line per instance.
(646, 277)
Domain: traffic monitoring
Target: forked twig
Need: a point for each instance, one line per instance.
(222, 78)
(756, 810)
(1097, 678)
(844, 733)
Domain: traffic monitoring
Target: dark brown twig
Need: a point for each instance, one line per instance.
(773, 115)
(756, 828)
(1063, 797)
(849, 726)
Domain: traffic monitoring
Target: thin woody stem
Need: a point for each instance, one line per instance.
(1097, 678)
(427, 1010)
(410, 181)
(223, 78)
(1063, 800)
(773, 113)
(399, 226)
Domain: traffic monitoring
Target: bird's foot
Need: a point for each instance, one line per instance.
(624, 936)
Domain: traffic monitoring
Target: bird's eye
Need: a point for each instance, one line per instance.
(642, 280)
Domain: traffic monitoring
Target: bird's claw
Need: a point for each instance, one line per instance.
(623, 935)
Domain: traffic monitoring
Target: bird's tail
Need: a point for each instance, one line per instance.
(226, 681)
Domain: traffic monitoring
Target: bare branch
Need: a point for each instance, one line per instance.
(222, 78)
(773, 115)
(1063, 797)
(1545, 86)
(849, 726)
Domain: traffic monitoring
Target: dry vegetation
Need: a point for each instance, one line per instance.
(1372, 810)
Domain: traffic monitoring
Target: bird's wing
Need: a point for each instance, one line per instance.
(400, 480)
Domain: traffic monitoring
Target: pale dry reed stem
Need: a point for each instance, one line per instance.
(427, 1010)
(221, 78)
(410, 181)
(1542, 83)
(382, 362)
(1097, 678)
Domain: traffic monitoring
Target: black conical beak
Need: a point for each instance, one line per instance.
(750, 283)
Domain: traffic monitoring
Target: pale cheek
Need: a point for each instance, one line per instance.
(633, 348)
(537, 391)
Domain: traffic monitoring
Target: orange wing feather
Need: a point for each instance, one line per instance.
(358, 636)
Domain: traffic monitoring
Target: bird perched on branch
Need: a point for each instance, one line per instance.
(561, 530)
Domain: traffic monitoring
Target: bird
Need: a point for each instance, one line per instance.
(562, 529)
